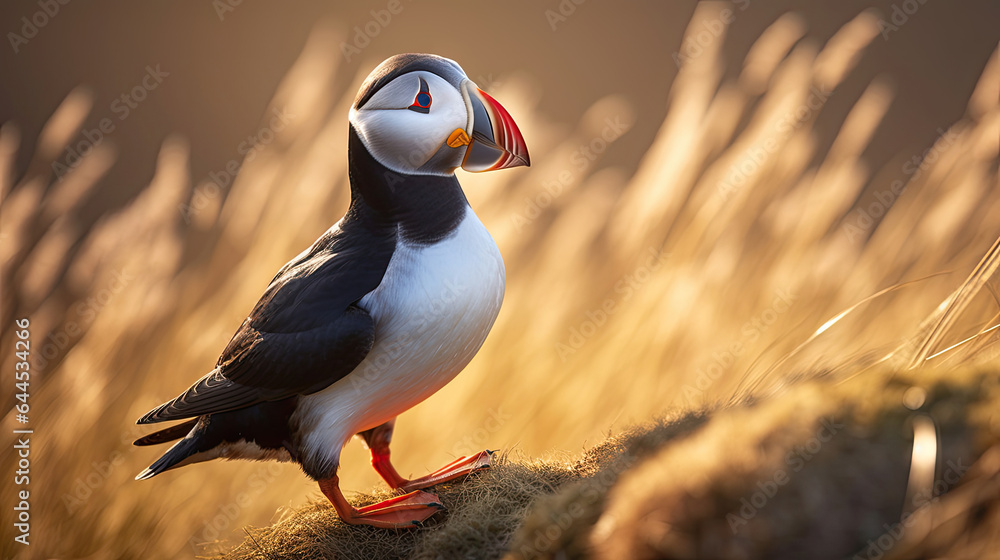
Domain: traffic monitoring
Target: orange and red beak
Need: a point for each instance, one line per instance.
(496, 142)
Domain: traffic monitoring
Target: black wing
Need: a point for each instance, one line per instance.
(306, 332)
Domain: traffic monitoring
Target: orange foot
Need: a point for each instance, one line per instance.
(402, 512)
(456, 469)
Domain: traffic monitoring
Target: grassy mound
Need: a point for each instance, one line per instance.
(878, 466)
(483, 512)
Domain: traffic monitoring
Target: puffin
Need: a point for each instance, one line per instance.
(382, 311)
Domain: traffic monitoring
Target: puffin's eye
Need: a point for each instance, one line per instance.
(422, 101)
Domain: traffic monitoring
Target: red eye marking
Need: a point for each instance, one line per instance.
(422, 101)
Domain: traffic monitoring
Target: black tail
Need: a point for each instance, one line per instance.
(264, 424)
(180, 451)
(169, 434)
(193, 442)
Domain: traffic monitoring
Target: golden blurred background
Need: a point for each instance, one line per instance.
(711, 183)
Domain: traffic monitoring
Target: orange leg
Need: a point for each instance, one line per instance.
(401, 512)
(378, 439)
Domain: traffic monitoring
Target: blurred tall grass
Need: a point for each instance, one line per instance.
(680, 285)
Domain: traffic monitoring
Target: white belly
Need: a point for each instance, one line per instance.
(432, 312)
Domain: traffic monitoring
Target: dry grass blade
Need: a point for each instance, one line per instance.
(952, 308)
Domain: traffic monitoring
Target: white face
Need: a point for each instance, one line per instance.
(403, 135)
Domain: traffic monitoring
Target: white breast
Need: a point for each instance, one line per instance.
(432, 312)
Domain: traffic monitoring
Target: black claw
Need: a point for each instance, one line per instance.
(436, 505)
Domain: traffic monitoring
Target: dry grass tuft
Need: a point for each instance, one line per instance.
(482, 512)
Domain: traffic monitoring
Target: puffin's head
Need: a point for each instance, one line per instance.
(420, 114)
